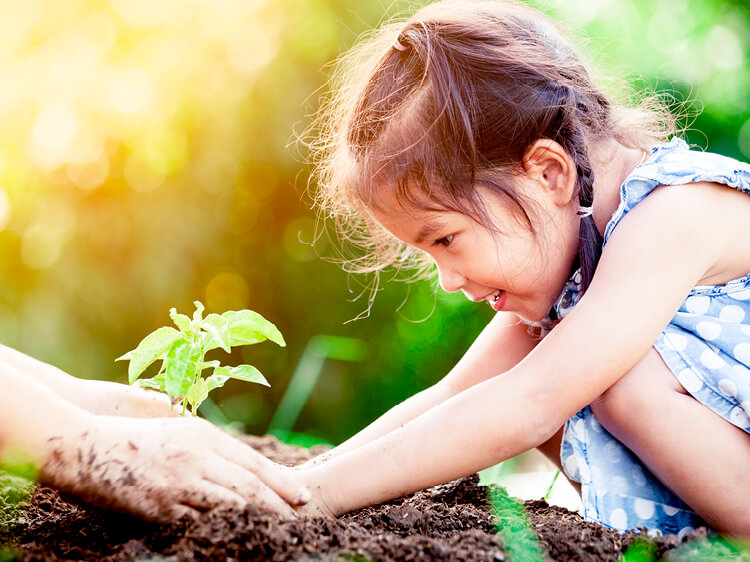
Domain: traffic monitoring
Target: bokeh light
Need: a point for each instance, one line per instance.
(145, 162)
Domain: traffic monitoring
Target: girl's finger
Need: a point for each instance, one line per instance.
(251, 488)
(274, 476)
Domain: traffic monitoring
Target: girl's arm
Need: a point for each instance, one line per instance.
(98, 397)
(500, 346)
(650, 264)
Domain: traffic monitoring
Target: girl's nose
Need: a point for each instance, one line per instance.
(450, 279)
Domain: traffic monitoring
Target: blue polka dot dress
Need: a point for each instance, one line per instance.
(706, 346)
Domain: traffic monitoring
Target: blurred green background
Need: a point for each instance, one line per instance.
(145, 162)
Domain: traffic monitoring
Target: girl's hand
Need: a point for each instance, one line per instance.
(318, 506)
(162, 469)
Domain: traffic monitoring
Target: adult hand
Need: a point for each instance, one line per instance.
(114, 399)
(162, 469)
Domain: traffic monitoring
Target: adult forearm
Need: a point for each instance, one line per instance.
(57, 380)
(32, 417)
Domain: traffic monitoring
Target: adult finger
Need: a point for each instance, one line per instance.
(179, 511)
(251, 488)
(272, 475)
(209, 495)
(164, 513)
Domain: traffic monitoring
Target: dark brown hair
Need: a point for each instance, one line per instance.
(430, 108)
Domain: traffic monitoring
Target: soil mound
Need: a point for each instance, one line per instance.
(449, 522)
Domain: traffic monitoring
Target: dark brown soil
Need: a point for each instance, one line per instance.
(450, 522)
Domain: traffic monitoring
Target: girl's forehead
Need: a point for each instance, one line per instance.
(413, 222)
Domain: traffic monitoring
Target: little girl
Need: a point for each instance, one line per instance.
(617, 261)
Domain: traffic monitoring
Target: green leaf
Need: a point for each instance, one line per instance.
(197, 393)
(209, 364)
(180, 369)
(217, 333)
(127, 357)
(152, 384)
(246, 373)
(248, 327)
(181, 321)
(198, 314)
(149, 350)
(216, 381)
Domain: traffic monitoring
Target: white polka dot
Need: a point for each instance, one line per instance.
(669, 509)
(746, 406)
(697, 305)
(728, 387)
(742, 295)
(644, 508)
(595, 425)
(708, 330)
(619, 484)
(711, 359)
(613, 452)
(689, 380)
(571, 466)
(742, 353)
(638, 476)
(684, 531)
(579, 427)
(732, 313)
(677, 341)
(596, 474)
(619, 519)
(654, 533)
(739, 417)
(746, 329)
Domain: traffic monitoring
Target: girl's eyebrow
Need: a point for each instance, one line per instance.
(428, 229)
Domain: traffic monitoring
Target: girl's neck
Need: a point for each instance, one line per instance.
(611, 163)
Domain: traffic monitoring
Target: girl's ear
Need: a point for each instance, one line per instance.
(549, 165)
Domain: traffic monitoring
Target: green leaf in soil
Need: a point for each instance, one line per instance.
(217, 333)
(246, 373)
(248, 327)
(216, 381)
(153, 347)
(180, 368)
(181, 321)
(197, 393)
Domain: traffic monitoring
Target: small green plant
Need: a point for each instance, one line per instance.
(182, 353)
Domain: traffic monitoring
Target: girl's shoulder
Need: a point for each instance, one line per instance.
(675, 163)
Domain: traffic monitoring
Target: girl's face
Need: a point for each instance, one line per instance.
(510, 267)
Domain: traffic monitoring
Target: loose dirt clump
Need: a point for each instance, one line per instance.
(449, 522)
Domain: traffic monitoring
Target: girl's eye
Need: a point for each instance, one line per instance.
(444, 241)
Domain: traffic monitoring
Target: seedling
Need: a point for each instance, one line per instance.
(182, 353)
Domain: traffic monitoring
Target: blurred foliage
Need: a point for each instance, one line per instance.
(145, 163)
